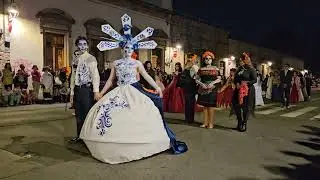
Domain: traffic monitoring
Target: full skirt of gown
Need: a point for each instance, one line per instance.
(276, 96)
(127, 124)
(259, 99)
(294, 94)
(224, 98)
(173, 97)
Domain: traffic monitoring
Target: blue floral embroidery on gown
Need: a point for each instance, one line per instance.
(104, 121)
(126, 74)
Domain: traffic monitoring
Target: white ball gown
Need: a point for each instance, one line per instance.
(127, 123)
(258, 89)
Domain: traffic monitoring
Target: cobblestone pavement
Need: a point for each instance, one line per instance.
(279, 144)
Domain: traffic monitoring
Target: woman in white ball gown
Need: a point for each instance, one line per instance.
(127, 123)
(258, 88)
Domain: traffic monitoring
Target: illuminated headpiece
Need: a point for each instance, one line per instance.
(122, 40)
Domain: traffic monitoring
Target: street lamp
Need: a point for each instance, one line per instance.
(269, 63)
(178, 46)
(13, 10)
(233, 58)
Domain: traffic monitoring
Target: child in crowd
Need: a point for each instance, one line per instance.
(12, 97)
(47, 84)
(6, 93)
(16, 95)
(26, 97)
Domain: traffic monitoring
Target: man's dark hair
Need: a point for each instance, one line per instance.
(81, 38)
(287, 64)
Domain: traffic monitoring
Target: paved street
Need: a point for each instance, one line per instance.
(279, 144)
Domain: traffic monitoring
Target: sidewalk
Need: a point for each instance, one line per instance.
(19, 115)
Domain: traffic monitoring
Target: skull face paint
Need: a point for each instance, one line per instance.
(208, 60)
(83, 46)
(128, 50)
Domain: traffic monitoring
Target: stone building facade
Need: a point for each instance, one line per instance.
(44, 32)
(195, 36)
(266, 60)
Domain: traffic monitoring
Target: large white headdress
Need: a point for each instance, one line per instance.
(122, 40)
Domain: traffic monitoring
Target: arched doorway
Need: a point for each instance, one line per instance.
(95, 35)
(158, 54)
(55, 25)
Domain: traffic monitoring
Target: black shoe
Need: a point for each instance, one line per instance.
(75, 140)
(243, 127)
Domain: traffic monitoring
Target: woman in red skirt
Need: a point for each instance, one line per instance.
(173, 98)
(296, 92)
(226, 92)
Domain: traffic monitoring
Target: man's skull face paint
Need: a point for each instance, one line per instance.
(208, 60)
(128, 50)
(83, 46)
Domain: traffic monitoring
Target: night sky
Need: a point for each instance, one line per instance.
(292, 28)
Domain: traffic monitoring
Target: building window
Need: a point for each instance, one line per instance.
(54, 51)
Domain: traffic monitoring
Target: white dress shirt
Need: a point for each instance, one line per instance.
(85, 73)
(194, 70)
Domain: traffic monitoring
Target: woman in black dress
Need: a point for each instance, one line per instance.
(151, 72)
(209, 81)
(244, 94)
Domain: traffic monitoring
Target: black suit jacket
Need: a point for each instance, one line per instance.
(286, 79)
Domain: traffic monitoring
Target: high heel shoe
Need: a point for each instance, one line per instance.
(203, 126)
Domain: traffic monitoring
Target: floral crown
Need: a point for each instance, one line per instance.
(208, 53)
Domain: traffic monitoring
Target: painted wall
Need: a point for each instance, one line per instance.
(27, 41)
(174, 55)
(229, 64)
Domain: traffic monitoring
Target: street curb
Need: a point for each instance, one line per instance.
(31, 107)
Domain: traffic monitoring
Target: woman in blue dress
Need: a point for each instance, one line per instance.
(127, 123)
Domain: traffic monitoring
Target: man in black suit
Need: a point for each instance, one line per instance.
(188, 83)
(285, 85)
